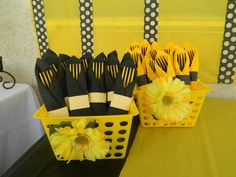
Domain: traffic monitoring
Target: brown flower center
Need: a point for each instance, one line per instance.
(167, 100)
(82, 140)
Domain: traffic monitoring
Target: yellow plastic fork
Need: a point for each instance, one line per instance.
(127, 75)
(75, 70)
(98, 69)
(85, 63)
(113, 70)
(54, 68)
(64, 64)
(46, 77)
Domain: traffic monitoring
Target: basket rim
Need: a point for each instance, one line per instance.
(40, 114)
(203, 87)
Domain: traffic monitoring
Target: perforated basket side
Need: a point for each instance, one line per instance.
(116, 129)
(197, 99)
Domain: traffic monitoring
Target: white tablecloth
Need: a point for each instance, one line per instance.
(18, 130)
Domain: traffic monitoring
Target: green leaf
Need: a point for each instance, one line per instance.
(52, 128)
(154, 117)
(92, 124)
(63, 124)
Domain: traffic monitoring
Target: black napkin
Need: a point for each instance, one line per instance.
(86, 59)
(63, 62)
(77, 88)
(58, 65)
(50, 90)
(63, 58)
(124, 86)
(111, 70)
(96, 85)
(52, 59)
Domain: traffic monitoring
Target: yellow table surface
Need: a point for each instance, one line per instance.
(207, 150)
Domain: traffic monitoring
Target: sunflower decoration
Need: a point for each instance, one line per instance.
(169, 99)
(79, 140)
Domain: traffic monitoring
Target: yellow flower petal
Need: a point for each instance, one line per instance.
(169, 99)
(79, 125)
(90, 144)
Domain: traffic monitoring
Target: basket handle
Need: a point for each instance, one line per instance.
(40, 25)
(86, 23)
(151, 9)
(226, 72)
(151, 12)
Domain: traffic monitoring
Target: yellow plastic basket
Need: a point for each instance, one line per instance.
(116, 128)
(197, 98)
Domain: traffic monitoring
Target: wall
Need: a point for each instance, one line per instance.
(17, 40)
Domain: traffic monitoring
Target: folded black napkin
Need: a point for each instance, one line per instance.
(63, 59)
(111, 71)
(52, 59)
(96, 85)
(124, 86)
(77, 88)
(50, 90)
(63, 63)
(86, 59)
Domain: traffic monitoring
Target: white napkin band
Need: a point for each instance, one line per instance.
(62, 112)
(79, 102)
(110, 95)
(97, 97)
(121, 102)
